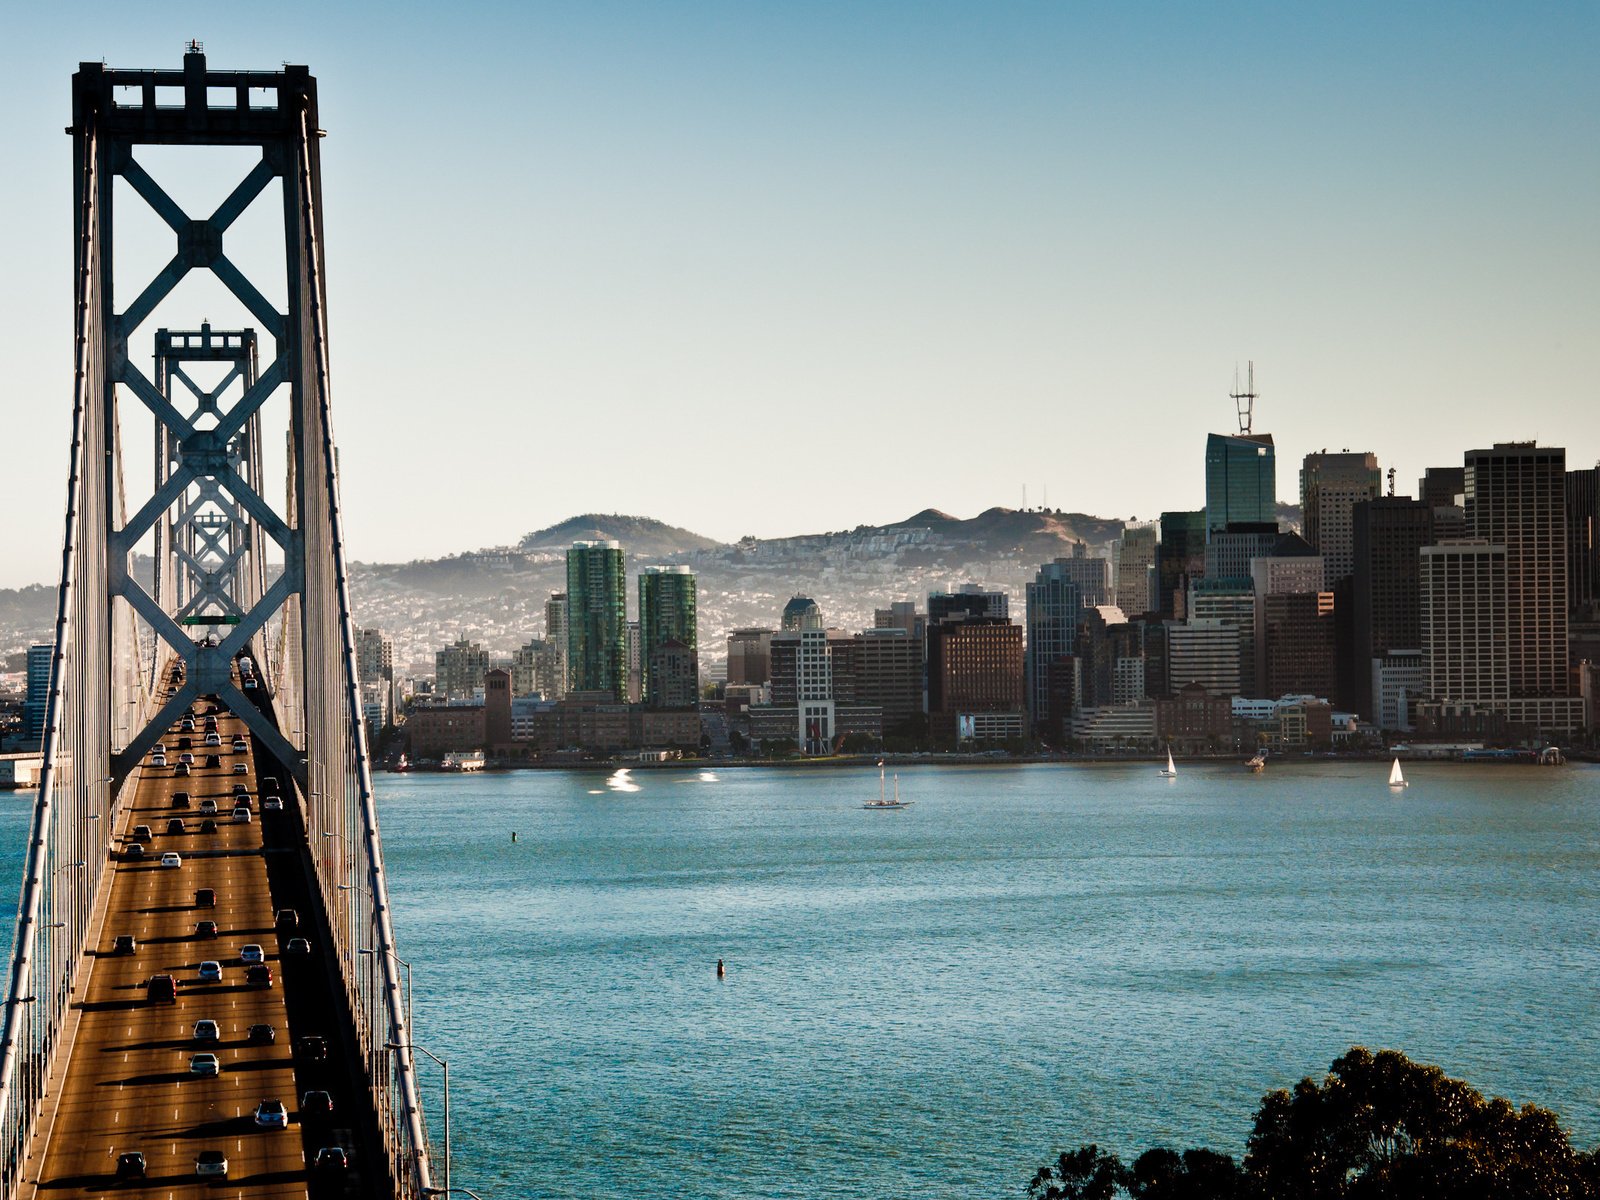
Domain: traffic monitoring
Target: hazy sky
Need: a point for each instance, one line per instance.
(774, 268)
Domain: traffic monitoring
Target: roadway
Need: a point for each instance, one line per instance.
(127, 1085)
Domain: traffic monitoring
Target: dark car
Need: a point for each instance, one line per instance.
(261, 1035)
(124, 943)
(298, 947)
(161, 989)
(312, 1049)
(175, 825)
(205, 898)
(208, 826)
(332, 1159)
(181, 770)
(130, 1165)
(133, 851)
(205, 929)
(141, 833)
(213, 760)
(316, 1105)
(180, 799)
(183, 743)
(258, 975)
(287, 919)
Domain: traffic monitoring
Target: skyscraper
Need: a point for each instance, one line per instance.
(1583, 542)
(38, 695)
(1180, 557)
(555, 638)
(1464, 624)
(972, 599)
(1136, 565)
(597, 621)
(1388, 534)
(666, 613)
(1330, 486)
(1241, 481)
(459, 668)
(1054, 606)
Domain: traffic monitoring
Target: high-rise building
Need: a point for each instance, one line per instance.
(555, 637)
(1227, 603)
(970, 599)
(1054, 606)
(1241, 481)
(901, 614)
(667, 602)
(889, 674)
(1386, 595)
(975, 667)
(1583, 542)
(459, 669)
(1516, 498)
(1330, 486)
(800, 613)
(673, 672)
(1230, 551)
(1091, 572)
(749, 656)
(1180, 557)
(1442, 487)
(374, 656)
(1464, 624)
(1295, 645)
(1204, 652)
(36, 702)
(1136, 570)
(597, 619)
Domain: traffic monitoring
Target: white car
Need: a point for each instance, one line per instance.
(210, 971)
(240, 745)
(241, 768)
(271, 1114)
(158, 760)
(213, 739)
(252, 954)
(186, 759)
(272, 804)
(172, 859)
(207, 1031)
(241, 815)
(204, 1065)
(208, 808)
(211, 1163)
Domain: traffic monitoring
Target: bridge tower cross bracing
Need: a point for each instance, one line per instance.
(212, 531)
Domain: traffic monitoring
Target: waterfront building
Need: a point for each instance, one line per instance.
(458, 669)
(1330, 487)
(433, 729)
(1116, 727)
(1054, 606)
(1464, 624)
(749, 657)
(1194, 721)
(525, 668)
(1583, 544)
(597, 622)
(36, 700)
(1180, 559)
(1241, 481)
(975, 667)
(1388, 534)
(674, 676)
(555, 637)
(889, 666)
(1295, 644)
(1398, 679)
(496, 708)
(667, 612)
(1136, 570)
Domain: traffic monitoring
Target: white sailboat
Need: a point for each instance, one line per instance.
(1172, 768)
(883, 800)
(1397, 779)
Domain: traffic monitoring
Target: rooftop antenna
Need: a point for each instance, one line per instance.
(1391, 481)
(1245, 401)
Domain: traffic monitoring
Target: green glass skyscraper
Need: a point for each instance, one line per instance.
(666, 613)
(597, 619)
(1241, 481)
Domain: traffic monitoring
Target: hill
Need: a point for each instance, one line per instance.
(639, 535)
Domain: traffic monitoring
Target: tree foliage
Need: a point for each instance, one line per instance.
(1377, 1127)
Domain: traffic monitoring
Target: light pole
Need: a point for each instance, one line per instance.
(444, 1067)
(407, 966)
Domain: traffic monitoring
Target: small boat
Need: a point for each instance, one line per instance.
(1172, 769)
(1397, 779)
(1258, 764)
(883, 800)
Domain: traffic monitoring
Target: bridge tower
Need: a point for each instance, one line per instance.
(232, 573)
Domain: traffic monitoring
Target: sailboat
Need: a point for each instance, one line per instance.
(883, 800)
(1172, 768)
(1397, 779)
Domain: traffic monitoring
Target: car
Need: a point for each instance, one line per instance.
(298, 947)
(271, 1114)
(259, 975)
(252, 954)
(312, 1049)
(241, 768)
(180, 799)
(133, 851)
(272, 804)
(242, 815)
(269, 785)
(158, 760)
(186, 725)
(130, 1165)
(208, 826)
(261, 1035)
(213, 739)
(174, 826)
(287, 918)
(211, 721)
(210, 971)
(250, 684)
(183, 743)
(204, 1065)
(172, 859)
(124, 943)
(181, 770)
(205, 929)
(213, 760)
(207, 1031)
(141, 833)
(161, 989)
(205, 898)
(240, 745)
(241, 789)
(208, 807)
(316, 1104)
(331, 1158)
(241, 799)
(186, 759)
(211, 1163)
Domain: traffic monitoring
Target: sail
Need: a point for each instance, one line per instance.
(1171, 768)
(1395, 776)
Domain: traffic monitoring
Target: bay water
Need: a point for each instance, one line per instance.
(935, 1001)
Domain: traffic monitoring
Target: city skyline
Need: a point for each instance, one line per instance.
(1074, 221)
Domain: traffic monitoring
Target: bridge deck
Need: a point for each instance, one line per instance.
(127, 1084)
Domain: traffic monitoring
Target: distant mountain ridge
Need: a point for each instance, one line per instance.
(638, 535)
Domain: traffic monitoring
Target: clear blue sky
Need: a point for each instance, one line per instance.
(771, 268)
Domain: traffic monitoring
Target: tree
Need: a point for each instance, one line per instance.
(1378, 1127)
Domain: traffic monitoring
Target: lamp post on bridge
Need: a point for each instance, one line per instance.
(445, 1068)
(407, 966)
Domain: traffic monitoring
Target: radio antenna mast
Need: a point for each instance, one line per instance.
(1245, 402)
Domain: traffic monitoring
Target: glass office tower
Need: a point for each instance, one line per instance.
(1241, 481)
(597, 619)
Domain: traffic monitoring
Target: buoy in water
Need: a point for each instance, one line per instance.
(721, 970)
(513, 835)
